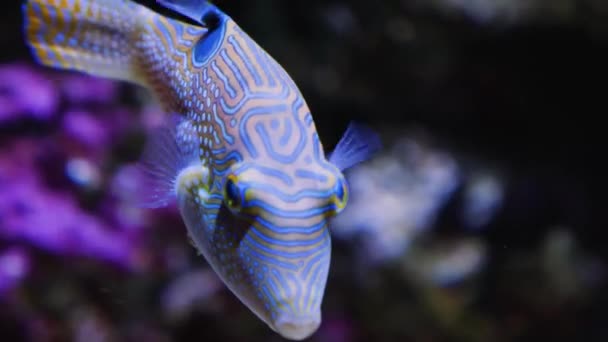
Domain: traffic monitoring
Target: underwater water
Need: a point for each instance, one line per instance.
(482, 218)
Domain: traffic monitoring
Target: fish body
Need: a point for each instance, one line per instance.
(240, 156)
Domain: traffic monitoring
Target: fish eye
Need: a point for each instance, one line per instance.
(340, 195)
(232, 193)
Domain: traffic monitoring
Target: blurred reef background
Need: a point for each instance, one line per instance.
(483, 219)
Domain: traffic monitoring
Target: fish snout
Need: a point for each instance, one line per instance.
(297, 327)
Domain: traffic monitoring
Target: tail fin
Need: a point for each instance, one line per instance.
(91, 36)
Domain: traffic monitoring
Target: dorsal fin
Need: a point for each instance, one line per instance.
(197, 10)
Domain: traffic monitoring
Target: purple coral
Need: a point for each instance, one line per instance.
(50, 219)
(14, 266)
(23, 91)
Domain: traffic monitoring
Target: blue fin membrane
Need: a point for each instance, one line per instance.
(168, 150)
(357, 145)
(193, 9)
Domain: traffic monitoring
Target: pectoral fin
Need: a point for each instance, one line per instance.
(170, 158)
(358, 144)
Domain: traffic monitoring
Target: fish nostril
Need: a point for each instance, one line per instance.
(297, 328)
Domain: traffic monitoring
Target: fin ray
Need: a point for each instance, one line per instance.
(168, 151)
(357, 145)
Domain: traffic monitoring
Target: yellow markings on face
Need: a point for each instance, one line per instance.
(339, 198)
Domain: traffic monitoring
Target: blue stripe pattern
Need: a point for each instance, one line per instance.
(268, 143)
(246, 121)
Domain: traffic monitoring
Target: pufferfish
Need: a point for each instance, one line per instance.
(239, 153)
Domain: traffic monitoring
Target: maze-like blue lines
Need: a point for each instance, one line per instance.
(216, 197)
(317, 150)
(242, 168)
(307, 174)
(216, 138)
(269, 296)
(209, 205)
(177, 27)
(308, 119)
(198, 85)
(313, 289)
(219, 150)
(255, 254)
(287, 134)
(272, 153)
(270, 172)
(185, 38)
(286, 242)
(273, 286)
(225, 135)
(292, 198)
(205, 76)
(257, 53)
(262, 62)
(222, 170)
(173, 32)
(273, 67)
(287, 291)
(255, 96)
(246, 61)
(235, 70)
(312, 283)
(296, 105)
(243, 132)
(291, 277)
(291, 214)
(278, 254)
(196, 31)
(232, 155)
(227, 87)
(168, 36)
(302, 230)
(276, 292)
(316, 260)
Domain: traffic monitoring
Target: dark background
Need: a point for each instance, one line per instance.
(527, 94)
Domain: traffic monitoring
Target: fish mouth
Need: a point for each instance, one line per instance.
(296, 328)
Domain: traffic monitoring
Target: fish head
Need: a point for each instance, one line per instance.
(277, 221)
